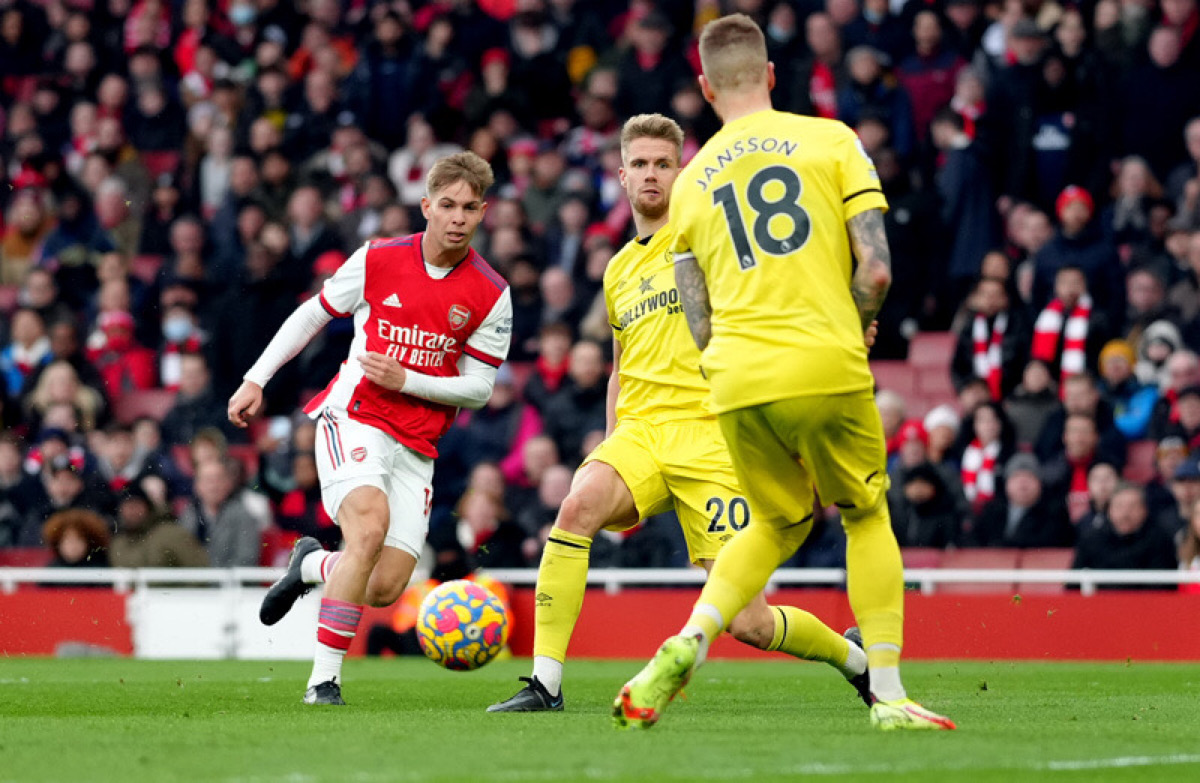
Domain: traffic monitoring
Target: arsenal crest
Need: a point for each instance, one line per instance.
(459, 316)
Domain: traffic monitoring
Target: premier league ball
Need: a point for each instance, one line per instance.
(461, 625)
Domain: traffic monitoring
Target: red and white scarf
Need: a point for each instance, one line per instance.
(988, 357)
(1049, 327)
(979, 472)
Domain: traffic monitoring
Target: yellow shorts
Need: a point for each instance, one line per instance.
(781, 449)
(682, 465)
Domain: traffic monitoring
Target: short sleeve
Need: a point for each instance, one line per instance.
(861, 189)
(489, 343)
(608, 302)
(342, 294)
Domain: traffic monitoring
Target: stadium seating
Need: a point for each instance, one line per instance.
(1140, 461)
(894, 375)
(982, 559)
(25, 557)
(146, 268)
(1047, 559)
(931, 350)
(922, 556)
(159, 162)
(154, 403)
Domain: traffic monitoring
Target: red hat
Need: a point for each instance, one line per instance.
(599, 230)
(328, 262)
(1073, 193)
(493, 56)
(524, 146)
(913, 430)
(115, 319)
(28, 178)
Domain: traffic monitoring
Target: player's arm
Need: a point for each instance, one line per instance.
(873, 275)
(483, 354)
(693, 294)
(340, 295)
(614, 390)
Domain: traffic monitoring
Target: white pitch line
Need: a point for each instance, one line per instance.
(827, 769)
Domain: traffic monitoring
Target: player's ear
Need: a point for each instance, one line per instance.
(621, 176)
(706, 89)
(770, 75)
(426, 206)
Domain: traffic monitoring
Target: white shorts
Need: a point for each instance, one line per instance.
(352, 455)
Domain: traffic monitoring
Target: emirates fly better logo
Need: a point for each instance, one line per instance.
(459, 316)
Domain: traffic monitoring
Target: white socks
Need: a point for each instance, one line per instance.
(886, 685)
(548, 672)
(311, 567)
(856, 662)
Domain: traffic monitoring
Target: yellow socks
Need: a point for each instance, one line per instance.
(802, 635)
(562, 581)
(741, 572)
(876, 587)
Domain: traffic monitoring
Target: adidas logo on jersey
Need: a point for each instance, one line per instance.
(393, 301)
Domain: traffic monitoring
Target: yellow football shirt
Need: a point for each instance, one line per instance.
(660, 364)
(763, 208)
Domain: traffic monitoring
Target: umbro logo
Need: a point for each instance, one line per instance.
(543, 599)
(392, 301)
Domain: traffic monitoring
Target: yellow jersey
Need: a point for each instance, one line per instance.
(763, 209)
(659, 367)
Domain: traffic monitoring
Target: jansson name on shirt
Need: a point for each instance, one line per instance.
(743, 147)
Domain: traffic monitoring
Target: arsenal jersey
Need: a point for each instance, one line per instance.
(425, 323)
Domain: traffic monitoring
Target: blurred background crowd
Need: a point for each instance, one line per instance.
(179, 174)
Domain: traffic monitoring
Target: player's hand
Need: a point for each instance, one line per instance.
(383, 371)
(869, 337)
(245, 404)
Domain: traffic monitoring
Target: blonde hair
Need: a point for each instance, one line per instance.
(651, 126)
(460, 167)
(87, 401)
(733, 53)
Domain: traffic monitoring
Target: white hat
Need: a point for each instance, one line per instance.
(942, 416)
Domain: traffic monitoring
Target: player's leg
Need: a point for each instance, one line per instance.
(846, 448)
(345, 451)
(391, 575)
(600, 498)
(353, 463)
(800, 634)
(712, 507)
(363, 516)
(410, 500)
(783, 500)
(779, 484)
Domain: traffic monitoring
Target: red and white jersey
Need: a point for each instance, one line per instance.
(423, 322)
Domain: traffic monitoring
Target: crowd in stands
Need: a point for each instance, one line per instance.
(179, 175)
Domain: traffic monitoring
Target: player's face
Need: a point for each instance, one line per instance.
(649, 170)
(453, 213)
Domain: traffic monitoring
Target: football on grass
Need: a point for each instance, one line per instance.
(461, 625)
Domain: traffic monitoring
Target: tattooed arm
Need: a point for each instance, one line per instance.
(693, 293)
(873, 276)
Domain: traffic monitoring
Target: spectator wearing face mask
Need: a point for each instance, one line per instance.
(181, 335)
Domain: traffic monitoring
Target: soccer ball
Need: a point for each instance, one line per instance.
(461, 625)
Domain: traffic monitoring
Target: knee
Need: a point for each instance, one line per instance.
(384, 592)
(366, 533)
(875, 511)
(580, 514)
(756, 629)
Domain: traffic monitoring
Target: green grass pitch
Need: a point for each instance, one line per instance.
(242, 722)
